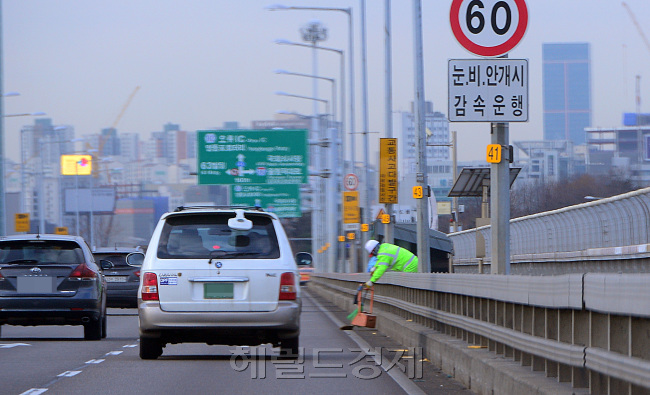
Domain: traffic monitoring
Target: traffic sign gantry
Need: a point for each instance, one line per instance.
(488, 27)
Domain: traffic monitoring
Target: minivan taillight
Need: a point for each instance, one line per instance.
(150, 287)
(287, 286)
(83, 272)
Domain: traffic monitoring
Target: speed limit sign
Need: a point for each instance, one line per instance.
(351, 182)
(488, 27)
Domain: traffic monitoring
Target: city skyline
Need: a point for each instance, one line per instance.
(203, 63)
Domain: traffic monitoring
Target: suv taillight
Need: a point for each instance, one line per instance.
(83, 272)
(287, 286)
(150, 287)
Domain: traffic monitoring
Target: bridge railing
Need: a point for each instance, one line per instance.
(581, 331)
(618, 221)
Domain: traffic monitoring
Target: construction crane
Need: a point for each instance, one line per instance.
(103, 140)
(126, 105)
(638, 26)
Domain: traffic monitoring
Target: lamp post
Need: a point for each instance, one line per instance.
(3, 220)
(327, 103)
(25, 114)
(41, 190)
(330, 202)
(335, 183)
(348, 12)
(92, 208)
(331, 80)
(342, 76)
(318, 232)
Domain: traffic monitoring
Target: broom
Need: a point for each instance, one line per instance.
(354, 312)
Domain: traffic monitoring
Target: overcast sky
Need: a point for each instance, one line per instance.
(201, 63)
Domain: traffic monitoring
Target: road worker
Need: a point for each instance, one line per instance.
(390, 257)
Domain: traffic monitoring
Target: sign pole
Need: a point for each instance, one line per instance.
(491, 37)
(420, 131)
(500, 198)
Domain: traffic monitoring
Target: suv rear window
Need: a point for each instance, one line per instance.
(40, 252)
(118, 260)
(208, 236)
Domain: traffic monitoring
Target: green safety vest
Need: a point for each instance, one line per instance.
(392, 257)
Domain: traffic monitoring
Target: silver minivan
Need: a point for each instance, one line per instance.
(218, 276)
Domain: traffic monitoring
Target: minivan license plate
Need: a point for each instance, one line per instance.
(218, 290)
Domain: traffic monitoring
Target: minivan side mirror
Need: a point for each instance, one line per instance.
(135, 259)
(304, 259)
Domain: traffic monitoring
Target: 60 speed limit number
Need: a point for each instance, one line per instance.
(488, 27)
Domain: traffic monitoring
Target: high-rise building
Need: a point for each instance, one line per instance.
(129, 143)
(42, 145)
(439, 164)
(566, 91)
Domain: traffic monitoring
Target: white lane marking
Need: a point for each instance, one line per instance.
(130, 346)
(69, 373)
(114, 353)
(12, 345)
(397, 375)
(34, 391)
(96, 361)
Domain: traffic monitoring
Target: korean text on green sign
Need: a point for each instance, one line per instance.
(240, 157)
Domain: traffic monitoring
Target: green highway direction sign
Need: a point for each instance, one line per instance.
(244, 157)
(284, 200)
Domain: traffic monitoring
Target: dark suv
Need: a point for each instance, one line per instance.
(51, 280)
(122, 279)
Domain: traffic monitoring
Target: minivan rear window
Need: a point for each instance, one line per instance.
(208, 236)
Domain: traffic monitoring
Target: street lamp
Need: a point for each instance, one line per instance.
(342, 72)
(330, 202)
(3, 220)
(348, 12)
(331, 80)
(327, 103)
(26, 114)
(317, 232)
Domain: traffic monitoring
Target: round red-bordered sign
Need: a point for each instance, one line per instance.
(473, 11)
(351, 182)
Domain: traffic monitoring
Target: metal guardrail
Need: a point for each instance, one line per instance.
(586, 331)
(617, 221)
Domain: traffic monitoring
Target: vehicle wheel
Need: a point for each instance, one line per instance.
(289, 348)
(150, 348)
(104, 325)
(93, 330)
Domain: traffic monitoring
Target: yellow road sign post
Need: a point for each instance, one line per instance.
(22, 222)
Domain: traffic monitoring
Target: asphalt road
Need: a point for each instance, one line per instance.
(56, 360)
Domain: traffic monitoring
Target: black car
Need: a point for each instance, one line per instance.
(51, 280)
(121, 278)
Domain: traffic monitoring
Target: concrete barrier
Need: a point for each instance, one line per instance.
(580, 333)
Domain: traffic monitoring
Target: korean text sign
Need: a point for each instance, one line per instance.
(488, 90)
(388, 170)
(240, 157)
